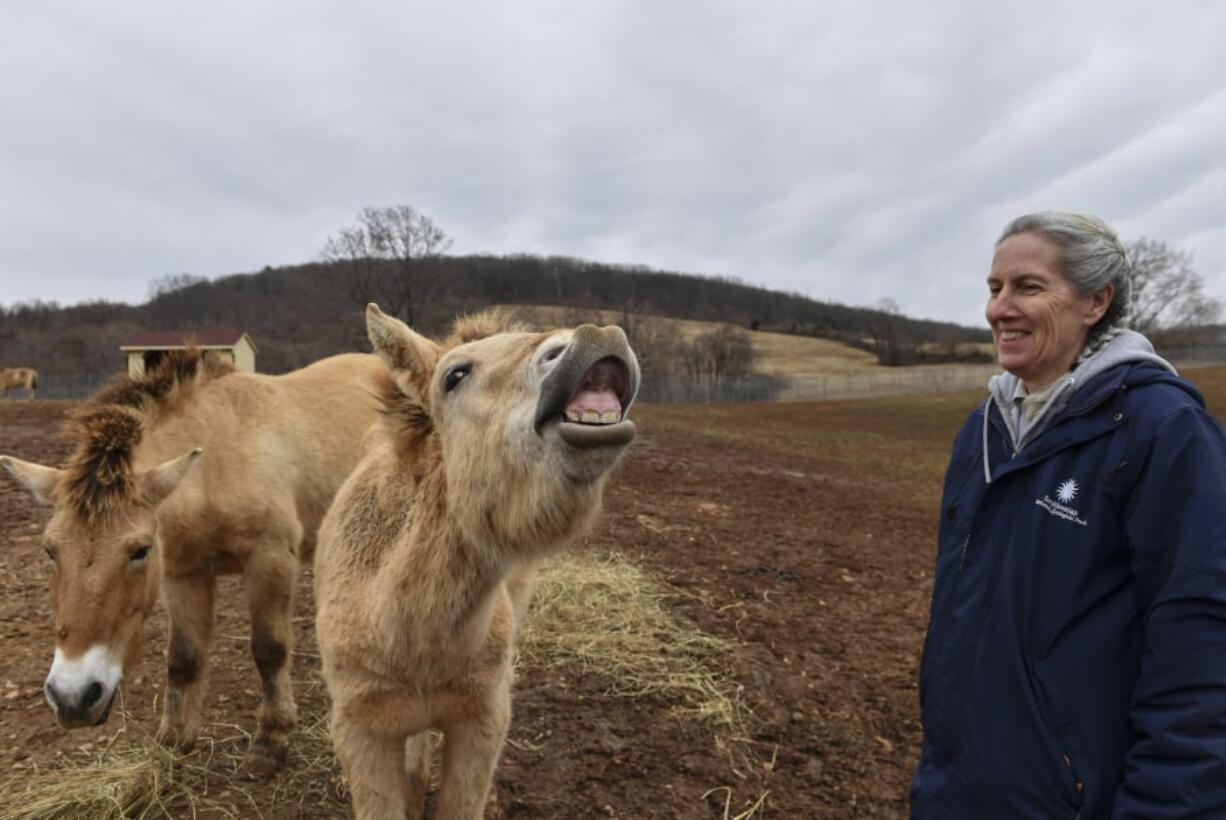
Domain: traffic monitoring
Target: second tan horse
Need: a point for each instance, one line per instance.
(189, 472)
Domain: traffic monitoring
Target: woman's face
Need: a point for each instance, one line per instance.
(1039, 322)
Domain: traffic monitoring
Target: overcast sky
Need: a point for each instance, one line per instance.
(850, 151)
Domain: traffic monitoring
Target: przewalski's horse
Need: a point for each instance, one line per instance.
(140, 505)
(493, 453)
(12, 378)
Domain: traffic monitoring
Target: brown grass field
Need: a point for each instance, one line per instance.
(816, 369)
(780, 354)
(738, 638)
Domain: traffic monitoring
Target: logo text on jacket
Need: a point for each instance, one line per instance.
(1066, 492)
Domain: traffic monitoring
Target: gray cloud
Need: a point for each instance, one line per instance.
(849, 151)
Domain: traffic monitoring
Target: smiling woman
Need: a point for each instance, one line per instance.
(1040, 320)
(1072, 664)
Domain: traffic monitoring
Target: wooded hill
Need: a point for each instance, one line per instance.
(301, 313)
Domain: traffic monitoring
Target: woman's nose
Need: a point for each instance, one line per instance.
(1000, 306)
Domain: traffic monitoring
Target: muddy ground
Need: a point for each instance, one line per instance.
(801, 532)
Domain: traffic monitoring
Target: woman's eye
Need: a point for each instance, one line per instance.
(456, 375)
(138, 555)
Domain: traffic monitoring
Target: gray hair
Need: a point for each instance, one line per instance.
(1092, 257)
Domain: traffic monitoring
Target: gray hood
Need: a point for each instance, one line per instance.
(1126, 346)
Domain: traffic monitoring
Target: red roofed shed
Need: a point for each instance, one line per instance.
(145, 347)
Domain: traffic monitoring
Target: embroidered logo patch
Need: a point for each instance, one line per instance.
(1067, 491)
(1059, 507)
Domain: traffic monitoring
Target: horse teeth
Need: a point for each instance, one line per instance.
(610, 416)
(590, 417)
(572, 415)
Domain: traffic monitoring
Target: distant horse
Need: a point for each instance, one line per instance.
(13, 377)
(131, 512)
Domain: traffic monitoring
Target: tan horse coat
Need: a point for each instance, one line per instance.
(131, 512)
(425, 559)
(12, 378)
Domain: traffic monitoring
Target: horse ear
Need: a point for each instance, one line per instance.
(410, 356)
(160, 481)
(38, 480)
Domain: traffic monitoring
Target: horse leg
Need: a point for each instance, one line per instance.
(470, 753)
(417, 773)
(189, 604)
(374, 765)
(520, 582)
(268, 581)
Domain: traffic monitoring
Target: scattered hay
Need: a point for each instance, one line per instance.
(603, 613)
(608, 615)
(121, 787)
(141, 780)
(747, 814)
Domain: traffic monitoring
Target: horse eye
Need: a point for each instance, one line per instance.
(456, 375)
(50, 554)
(555, 353)
(138, 555)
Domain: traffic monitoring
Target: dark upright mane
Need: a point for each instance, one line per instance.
(109, 425)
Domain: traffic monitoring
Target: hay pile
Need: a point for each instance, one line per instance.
(606, 614)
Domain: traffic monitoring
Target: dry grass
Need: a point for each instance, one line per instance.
(607, 615)
(604, 613)
(780, 354)
(144, 781)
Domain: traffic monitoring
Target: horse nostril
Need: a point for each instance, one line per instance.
(92, 695)
(53, 697)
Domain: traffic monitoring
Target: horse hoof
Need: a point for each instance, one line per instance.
(175, 740)
(264, 760)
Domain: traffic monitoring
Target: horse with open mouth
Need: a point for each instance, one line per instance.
(133, 513)
(494, 452)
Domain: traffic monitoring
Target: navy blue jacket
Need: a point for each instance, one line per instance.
(1075, 663)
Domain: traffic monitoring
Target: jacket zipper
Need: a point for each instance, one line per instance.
(1079, 785)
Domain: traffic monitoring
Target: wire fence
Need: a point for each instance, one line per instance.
(65, 386)
(682, 390)
(908, 381)
(666, 389)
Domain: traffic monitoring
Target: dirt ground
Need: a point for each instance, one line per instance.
(802, 533)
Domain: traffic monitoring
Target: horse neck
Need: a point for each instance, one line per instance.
(435, 584)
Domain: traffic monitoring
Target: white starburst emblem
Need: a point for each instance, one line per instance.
(1067, 491)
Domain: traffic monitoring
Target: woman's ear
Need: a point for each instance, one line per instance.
(1099, 303)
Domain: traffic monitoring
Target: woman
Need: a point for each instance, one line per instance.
(1075, 664)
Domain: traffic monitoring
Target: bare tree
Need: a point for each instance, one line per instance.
(890, 341)
(380, 258)
(179, 303)
(656, 342)
(719, 355)
(172, 282)
(1167, 293)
